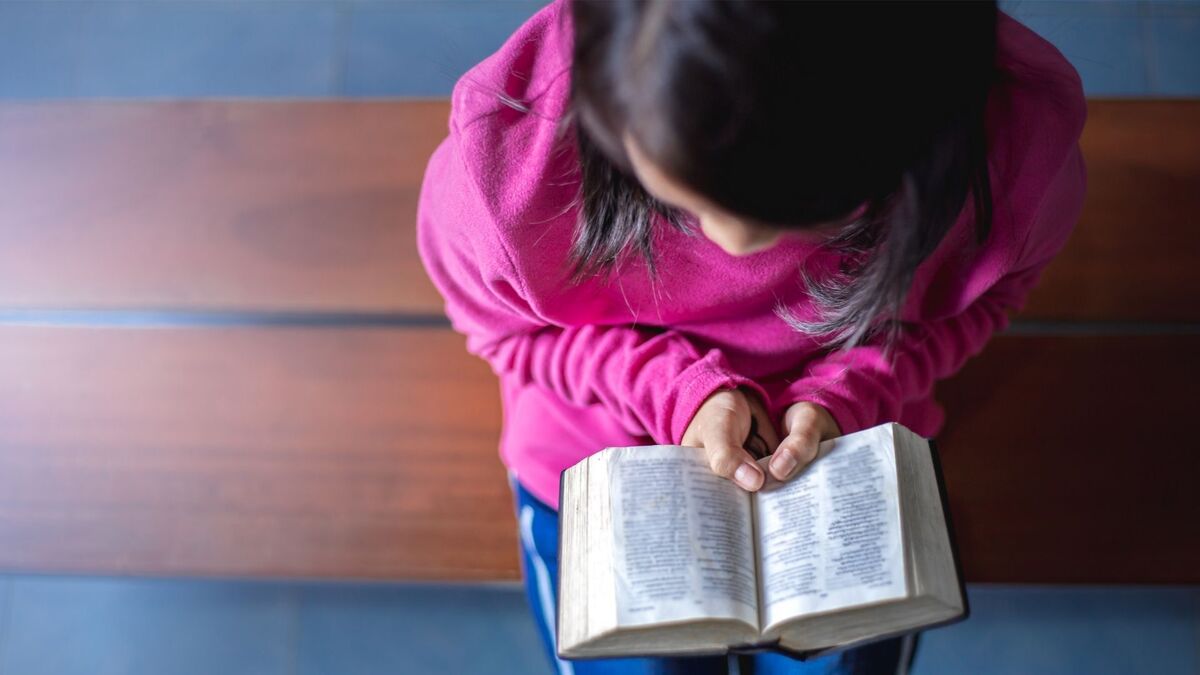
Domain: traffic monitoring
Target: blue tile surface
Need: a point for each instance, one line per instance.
(215, 48)
(5, 593)
(1056, 631)
(420, 48)
(98, 626)
(1104, 40)
(417, 629)
(319, 48)
(70, 626)
(37, 49)
(1175, 48)
(130, 48)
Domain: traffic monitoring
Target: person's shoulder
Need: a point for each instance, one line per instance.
(1036, 114)
(1038, 109)
(1035, 118)
(528, 70)
(527, 78)
(507, 124)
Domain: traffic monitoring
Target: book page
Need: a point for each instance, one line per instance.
(683, 547)
(830, 537)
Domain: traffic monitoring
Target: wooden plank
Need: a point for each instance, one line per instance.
(309, 206)
(1073, 460)
(1135, 255)
(260, 452)
(305, 206)
(372, 454)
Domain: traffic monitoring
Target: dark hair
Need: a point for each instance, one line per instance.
(792, 114)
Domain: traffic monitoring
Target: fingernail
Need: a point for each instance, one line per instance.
(747, 477)
(783, 464)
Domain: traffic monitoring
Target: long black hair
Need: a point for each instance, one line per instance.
(791, 114)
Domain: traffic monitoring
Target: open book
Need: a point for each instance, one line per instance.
(660, 556)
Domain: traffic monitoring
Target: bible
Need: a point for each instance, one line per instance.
(659, 556)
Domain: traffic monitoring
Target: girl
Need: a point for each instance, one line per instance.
(678, 222)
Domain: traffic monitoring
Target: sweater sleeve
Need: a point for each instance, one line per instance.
(651, 380)
(864, 386)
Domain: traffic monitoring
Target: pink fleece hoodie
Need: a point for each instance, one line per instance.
(628, 362)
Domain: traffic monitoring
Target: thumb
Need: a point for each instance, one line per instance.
(727, 458)
(808, 424)
(796, 451)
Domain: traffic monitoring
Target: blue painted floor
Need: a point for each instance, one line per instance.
(102, 626)
(370, 48)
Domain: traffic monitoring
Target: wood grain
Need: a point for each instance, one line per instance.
(260, 452)
(372, 454)
(215, 205)
(1074, 459)
(310, 206)
(1135, 255)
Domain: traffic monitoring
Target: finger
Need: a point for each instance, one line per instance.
(795, 452)
(729, 460)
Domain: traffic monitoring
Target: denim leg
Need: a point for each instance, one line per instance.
(779, 664)
(888, 657)
(538, 526)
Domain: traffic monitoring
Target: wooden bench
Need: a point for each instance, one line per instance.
(219, 355)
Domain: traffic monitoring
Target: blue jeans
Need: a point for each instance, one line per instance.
(539, 560)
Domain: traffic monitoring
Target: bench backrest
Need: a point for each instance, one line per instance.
(219, 355)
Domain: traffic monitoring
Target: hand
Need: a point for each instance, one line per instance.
(806, 424)
(722, 426)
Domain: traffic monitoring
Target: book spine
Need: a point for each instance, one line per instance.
(770, 646)
(562, 481)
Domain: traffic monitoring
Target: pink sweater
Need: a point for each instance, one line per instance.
(628, 362)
